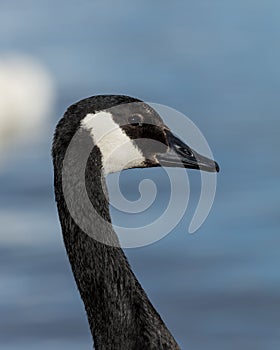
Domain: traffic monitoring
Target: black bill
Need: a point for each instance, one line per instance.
(181, 155)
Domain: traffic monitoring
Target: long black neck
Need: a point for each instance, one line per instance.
(119, 312)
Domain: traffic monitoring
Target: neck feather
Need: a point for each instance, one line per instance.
(119, 312)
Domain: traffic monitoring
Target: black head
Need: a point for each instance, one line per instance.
(129, 134)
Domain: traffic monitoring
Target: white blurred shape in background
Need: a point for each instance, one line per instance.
(26, 101)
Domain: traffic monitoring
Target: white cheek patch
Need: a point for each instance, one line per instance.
(117, 149)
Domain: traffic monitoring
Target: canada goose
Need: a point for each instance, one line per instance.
(119, 312)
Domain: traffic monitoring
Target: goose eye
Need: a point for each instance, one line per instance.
(135, 120)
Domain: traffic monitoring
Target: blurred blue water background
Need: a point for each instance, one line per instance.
(217, 62)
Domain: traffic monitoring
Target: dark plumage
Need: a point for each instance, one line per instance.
(119, 312)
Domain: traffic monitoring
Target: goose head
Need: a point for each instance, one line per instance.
(133, 135)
